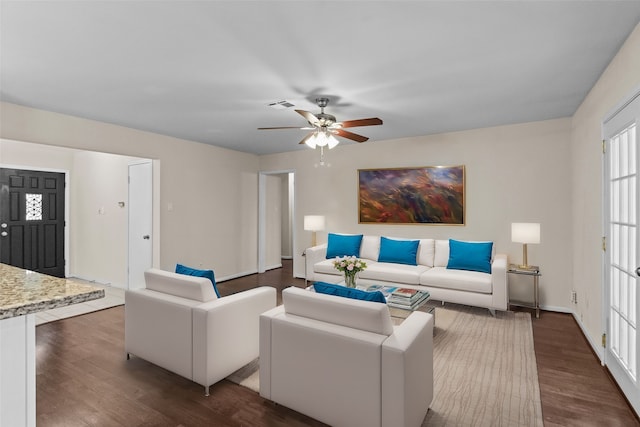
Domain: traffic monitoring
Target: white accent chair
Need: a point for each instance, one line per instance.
(342, 362)
(178, 323)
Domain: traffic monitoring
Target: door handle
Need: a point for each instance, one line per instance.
(4, 234)
(146, 237)
(638, 271)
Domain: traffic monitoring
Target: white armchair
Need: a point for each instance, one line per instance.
(342, 362)
(179, 324)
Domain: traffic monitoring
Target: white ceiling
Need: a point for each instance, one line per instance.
(206, 70)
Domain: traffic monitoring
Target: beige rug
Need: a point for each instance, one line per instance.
(484, 370)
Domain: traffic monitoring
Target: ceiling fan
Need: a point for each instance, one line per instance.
(325, 126)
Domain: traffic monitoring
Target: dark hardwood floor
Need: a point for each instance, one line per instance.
(84, 379)
(575, 389)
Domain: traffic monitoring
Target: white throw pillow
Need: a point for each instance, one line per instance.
(441, 258)
(370, 247)
(426, 252)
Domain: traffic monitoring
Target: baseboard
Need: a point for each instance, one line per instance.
(273, 267)
(597, 349)
(96, 281)
(235, 276)
(286, 257)
(556, 309)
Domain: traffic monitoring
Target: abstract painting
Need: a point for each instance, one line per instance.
(424, 195)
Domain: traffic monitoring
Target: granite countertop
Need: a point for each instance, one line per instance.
(24, 292)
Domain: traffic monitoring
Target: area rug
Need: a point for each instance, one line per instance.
(484, 370)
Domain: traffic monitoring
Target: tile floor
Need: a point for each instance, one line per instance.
(112, 297)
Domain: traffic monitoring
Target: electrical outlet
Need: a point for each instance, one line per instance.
(574, 297)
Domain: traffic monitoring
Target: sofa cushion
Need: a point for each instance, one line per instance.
(370, 247)
(441, 255)
(326, 266)
(343, 291)
(188, 271)
(398, 251)
(463, 280)
(339, 245)
(363, 315)
(392, 272)
(472, 256)
(426, 252)
(190, 287)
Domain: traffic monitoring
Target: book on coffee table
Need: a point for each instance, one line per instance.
(408, 299)
(386, 290)
(406, 293)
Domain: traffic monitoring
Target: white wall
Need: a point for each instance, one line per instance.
(213, 190)
(518, 173)
(619, 80)
(99, 235)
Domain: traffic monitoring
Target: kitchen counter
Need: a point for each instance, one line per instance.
(22, 294)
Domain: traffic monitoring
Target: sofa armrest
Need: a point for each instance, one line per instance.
(407, 371)
(499, 282)
(226, 333)
(314, 255)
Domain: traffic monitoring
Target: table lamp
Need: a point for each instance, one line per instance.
(313, 223)
(525, 233)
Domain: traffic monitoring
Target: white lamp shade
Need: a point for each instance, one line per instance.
(321, 139)
(333, 141)
(525, 232)
(311, 142)
(313, 222)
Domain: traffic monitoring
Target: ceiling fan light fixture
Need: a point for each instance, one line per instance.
(321, 139)
(311, 142)
(325, 127)
(332, 141)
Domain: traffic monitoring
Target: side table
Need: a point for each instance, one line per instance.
(534, 272)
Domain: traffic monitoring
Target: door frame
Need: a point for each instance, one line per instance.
(605, 211)
(67, 196)
(262, 217)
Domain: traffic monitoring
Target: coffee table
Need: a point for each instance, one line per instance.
(395, 310)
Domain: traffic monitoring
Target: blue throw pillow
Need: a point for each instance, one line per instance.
(343, 245)
(472, 256)
(398, 251)
(343, 291)
(188, 271)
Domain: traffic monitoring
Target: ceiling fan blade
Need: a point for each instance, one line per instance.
(282, 127)
(310, 117)
(373, 121)
(304, 140)
(350, 135)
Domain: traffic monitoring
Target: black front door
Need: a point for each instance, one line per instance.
(32, 220)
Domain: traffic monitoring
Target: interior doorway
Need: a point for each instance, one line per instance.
(276, 218)
(96, 206)
(621, 134)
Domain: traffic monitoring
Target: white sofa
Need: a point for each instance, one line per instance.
(178, 323)
(342, 362)
(473, 288)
